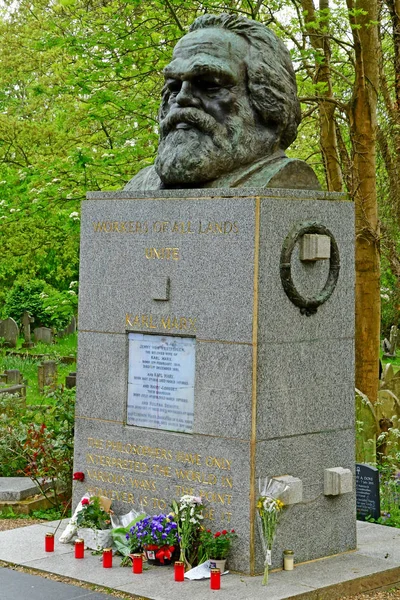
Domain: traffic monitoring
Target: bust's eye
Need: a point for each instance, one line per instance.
(173, 85)
(207, 85)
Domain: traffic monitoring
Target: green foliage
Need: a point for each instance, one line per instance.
(48, 306)
(39, 443)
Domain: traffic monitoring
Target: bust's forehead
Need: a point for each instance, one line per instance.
(214, 47)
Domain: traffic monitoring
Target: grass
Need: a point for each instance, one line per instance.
(28, 365)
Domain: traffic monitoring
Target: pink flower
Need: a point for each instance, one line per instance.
(85, 501)
(78, 476)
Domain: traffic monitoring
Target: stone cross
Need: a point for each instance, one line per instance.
(26, 322)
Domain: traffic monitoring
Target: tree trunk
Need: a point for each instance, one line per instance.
(319, 39)
(363, 128)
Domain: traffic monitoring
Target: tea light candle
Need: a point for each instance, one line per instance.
(137, 563)
(179, 571)
(79, 548)
(288, 560)
(215, 579)
(49, 542)
(107, 558)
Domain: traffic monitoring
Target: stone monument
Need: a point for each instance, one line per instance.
(216, 325)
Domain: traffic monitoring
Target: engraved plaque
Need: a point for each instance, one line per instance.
(161, 382)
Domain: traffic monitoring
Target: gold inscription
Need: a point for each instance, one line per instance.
(152, 476)
(168, 323)
(176, 227)
(140, 227)
(162, 253)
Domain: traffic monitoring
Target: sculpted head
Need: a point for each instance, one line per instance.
(229, 99)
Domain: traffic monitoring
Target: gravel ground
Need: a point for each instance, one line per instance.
(15, 523)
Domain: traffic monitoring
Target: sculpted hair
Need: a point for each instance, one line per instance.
(271, 79)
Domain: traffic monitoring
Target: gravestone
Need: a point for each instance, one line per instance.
(367, 427)
(393, 339)
(70, 381)
(191, 300)
(367, 492)
(387, 376)
(43, 334)
(9, 330)
(71, 328)
(13, 376)
(26, 322)
(387, 406)
(47, 375)
(246, 417)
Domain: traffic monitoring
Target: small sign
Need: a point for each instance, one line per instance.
(161, 382)
(367, 492)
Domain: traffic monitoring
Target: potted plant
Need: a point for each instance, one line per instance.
(157, 536)
(94, 524)
(215, 547)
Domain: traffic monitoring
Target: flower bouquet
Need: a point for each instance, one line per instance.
(94, 523)
(188, 515)
(269, 509)
(157, 536)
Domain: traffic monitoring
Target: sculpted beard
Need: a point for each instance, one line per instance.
(206, 149)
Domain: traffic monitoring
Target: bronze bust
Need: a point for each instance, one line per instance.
(229, 110)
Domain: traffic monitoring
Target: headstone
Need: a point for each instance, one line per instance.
(387, 406)
(26, 322)
(394, 385)
(71, 328)
(43, 334)
(9, 330)
(228, 300)
(70, 381)
(393, 339)
(367, 428)
(47, 375)
(220, 287)
(19, 390)
(387, 376)
(367, 492)
(13, 489)
(13, 376)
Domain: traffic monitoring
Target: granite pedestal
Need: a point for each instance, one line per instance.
(271, 392)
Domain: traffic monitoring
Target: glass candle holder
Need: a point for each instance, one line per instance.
(288, 560)
(215, 579)
(179, 571)
(79, 548)
(49, 542)
(137, 563)
(107, 558)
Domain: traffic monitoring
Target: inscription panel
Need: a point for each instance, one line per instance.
(148, 477)
(161, 382)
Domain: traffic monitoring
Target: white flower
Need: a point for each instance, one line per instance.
(74, 216)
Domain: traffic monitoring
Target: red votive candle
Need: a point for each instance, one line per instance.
(179, 571)
(137, 563)
(107, 558)
(79, 548)
(215, 579)
(49, 542)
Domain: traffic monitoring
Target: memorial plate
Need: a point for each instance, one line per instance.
(161, 382)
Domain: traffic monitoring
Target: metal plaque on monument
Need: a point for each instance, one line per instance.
(216, 319)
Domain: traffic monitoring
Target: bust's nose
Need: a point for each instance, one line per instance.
(187, 95)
